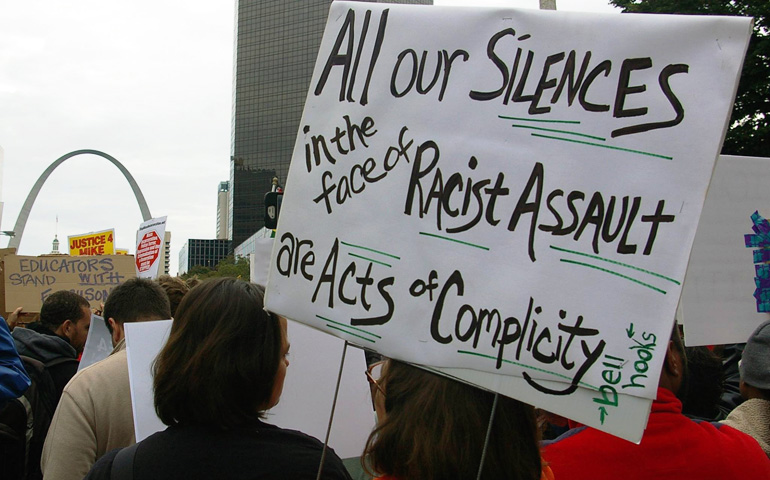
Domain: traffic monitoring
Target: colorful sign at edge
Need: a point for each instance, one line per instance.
(93, 243)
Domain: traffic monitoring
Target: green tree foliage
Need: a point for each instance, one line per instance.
(227, 267)
(749, 132)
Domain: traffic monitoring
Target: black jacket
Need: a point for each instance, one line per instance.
(42, 344)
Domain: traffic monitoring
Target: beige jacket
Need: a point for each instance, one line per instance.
(752, 417)
(93, 417)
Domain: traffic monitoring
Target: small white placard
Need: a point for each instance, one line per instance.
(98, 343)
(144, 340)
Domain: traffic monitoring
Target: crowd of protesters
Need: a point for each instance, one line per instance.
(224, 366)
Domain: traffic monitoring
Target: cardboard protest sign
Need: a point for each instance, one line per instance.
(149, 247)
(506, 191)
(98, 343)
(94, 243)
(29, 280)
(717, 300)
(3, 253)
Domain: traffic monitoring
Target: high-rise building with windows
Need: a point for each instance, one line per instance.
(165, 258)
(275, 50)
(203, 252)
(223, 204)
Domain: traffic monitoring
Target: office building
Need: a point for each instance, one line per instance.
(203, 252)
(223, 204)
(165, 257)
(276, 46)
(251, 244)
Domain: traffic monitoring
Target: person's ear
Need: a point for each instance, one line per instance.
(117, 331)
(744, 389)
(673, 362)
(65, 328)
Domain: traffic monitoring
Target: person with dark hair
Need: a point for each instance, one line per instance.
(94, 415)
(672, 446)
(68, 315)
(704, 385)
(135, 300)
(752, 417)
(48, 349)
(731, 376)
(175, 289)
(222, 367)
(59, 337)
(433, 428)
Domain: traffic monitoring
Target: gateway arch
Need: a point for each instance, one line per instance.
(21, 221)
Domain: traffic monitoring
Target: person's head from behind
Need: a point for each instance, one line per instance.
(193, 282)
(704, 383)
(755, 364)
(225, 360)
(175, 289)
(431, 427)
(68, 315)
(135, 300)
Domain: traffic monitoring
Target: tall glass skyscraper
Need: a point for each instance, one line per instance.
(275, 50)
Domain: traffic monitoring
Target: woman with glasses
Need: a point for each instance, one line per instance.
(222, 367)
(431, 427)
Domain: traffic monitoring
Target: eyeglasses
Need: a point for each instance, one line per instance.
(374, 373)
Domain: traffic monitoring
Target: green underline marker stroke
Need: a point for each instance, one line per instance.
(347, 326)
(350, 333)
(603, 146)
(370, 250)
(454, 240)
(521, 119)
(617, 263)
(369, 259)
(528, 366)
(559, 131)
(614, 273)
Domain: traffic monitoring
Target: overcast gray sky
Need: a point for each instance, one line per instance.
(148, 82)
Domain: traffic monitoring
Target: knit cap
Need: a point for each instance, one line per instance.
(755, 364)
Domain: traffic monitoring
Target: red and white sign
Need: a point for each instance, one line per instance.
(147, 251)
(149, 242)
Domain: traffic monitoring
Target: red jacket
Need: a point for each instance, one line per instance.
(673, 447)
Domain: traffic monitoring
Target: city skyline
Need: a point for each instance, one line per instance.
(148, 83)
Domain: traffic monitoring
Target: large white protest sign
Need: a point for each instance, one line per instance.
(717, 301)
(149, 247)
(506, 191)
